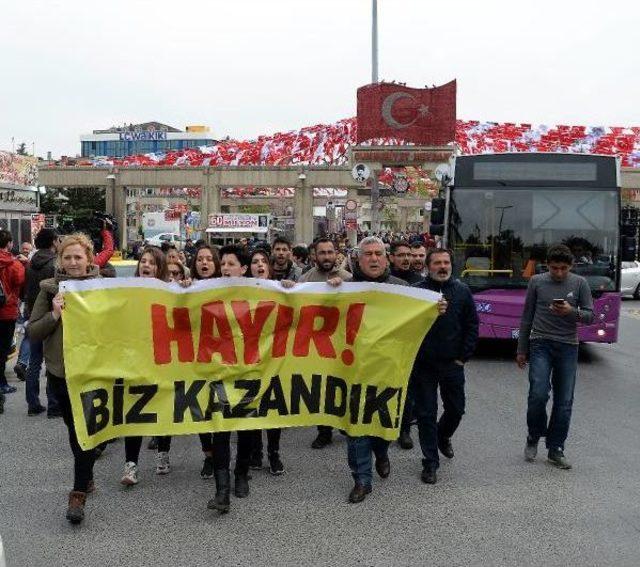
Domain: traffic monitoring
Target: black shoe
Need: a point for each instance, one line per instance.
(321, 441)
(275, 464)
(255, 461)
(444, 444)
(1, 402)
(36, 410)
(359, 493)
(153, 444)
(207, 468)
(241, 488)
(383, 467)
(405, 440)
(223, 485)
(557, 458)
(21, 371)
(53, 414)
(429, 476)
(530, 449)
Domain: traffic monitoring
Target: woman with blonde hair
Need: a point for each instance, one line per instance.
(74, 262)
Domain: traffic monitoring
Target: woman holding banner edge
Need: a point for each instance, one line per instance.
(74, 262)
(152, 264)
(205, 265)
(260, 268)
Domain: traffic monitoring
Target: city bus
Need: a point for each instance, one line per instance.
(503, 211)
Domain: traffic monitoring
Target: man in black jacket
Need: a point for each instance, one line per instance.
(400, 257)
(42, 267)
(440, 362)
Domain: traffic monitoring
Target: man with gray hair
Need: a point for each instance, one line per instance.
(372, 266)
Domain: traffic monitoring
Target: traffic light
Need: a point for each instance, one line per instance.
(436, 226)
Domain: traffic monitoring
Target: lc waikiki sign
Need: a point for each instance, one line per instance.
(143, 135)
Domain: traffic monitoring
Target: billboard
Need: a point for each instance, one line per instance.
(238, 222)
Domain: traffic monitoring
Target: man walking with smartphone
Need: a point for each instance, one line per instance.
(556, 302)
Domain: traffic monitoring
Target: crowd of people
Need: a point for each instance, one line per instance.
(556, 302)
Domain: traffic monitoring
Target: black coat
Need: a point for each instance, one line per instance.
(454, 335)
(409, 276)
(41, 267)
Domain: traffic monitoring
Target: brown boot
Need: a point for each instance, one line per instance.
(75, 512)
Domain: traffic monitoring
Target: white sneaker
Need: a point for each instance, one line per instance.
(163, 467)
(130, 476)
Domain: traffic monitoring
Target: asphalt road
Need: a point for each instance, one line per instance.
(488, 508)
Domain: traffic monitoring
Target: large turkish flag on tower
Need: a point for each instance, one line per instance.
(422, 116)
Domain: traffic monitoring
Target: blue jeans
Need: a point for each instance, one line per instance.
(25, 351)
(423, 388)
(32, 383)
(359, 456)
(552, 365)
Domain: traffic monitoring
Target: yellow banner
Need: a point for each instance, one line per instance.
(147, 358)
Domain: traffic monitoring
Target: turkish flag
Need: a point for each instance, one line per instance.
(422, 116)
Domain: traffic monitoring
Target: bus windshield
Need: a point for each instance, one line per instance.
(500, 235)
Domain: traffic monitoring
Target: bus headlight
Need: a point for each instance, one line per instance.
(601, 332)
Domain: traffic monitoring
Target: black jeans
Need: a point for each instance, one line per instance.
(7, 329)
(423, 385)
(132, 449)
(273, 441)
(222, 451)
(82, 460)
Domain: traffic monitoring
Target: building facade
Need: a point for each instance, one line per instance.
(149, 137)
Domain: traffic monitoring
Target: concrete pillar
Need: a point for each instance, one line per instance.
(108, 199)
(120, 213)
(303, 213)
(209, 202)
(403, 217)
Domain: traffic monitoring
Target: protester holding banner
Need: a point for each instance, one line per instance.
(205, 265)
(233, 264)
(75, 262)
(152, 264)
(440, 363)
(260, 268)
(283, 267)
(326, 268)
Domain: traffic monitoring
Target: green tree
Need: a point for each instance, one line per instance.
(22, 149)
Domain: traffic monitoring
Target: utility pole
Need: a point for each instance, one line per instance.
(375, 189)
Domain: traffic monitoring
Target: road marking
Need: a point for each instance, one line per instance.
(634, 313)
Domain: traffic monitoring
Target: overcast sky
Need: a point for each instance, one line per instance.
(246, 68)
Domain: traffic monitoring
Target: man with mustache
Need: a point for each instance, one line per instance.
(324, 270)
(440, 362)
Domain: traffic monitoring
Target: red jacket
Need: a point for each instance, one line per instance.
(103, 257)
(12, 277)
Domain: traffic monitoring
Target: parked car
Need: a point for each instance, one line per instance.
(630, 279)
(124, 268)
(168, 237)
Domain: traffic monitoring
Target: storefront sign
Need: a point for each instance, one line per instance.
(18, 200)
(238, 222)
(144, 135)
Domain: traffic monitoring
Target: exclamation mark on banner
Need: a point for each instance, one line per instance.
(398, 408)
(354, 319)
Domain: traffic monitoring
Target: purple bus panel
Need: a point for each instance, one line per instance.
(500, 311)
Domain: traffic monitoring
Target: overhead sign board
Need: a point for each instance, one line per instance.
(238, 222)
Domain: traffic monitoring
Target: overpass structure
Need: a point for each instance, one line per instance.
(213, 180)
